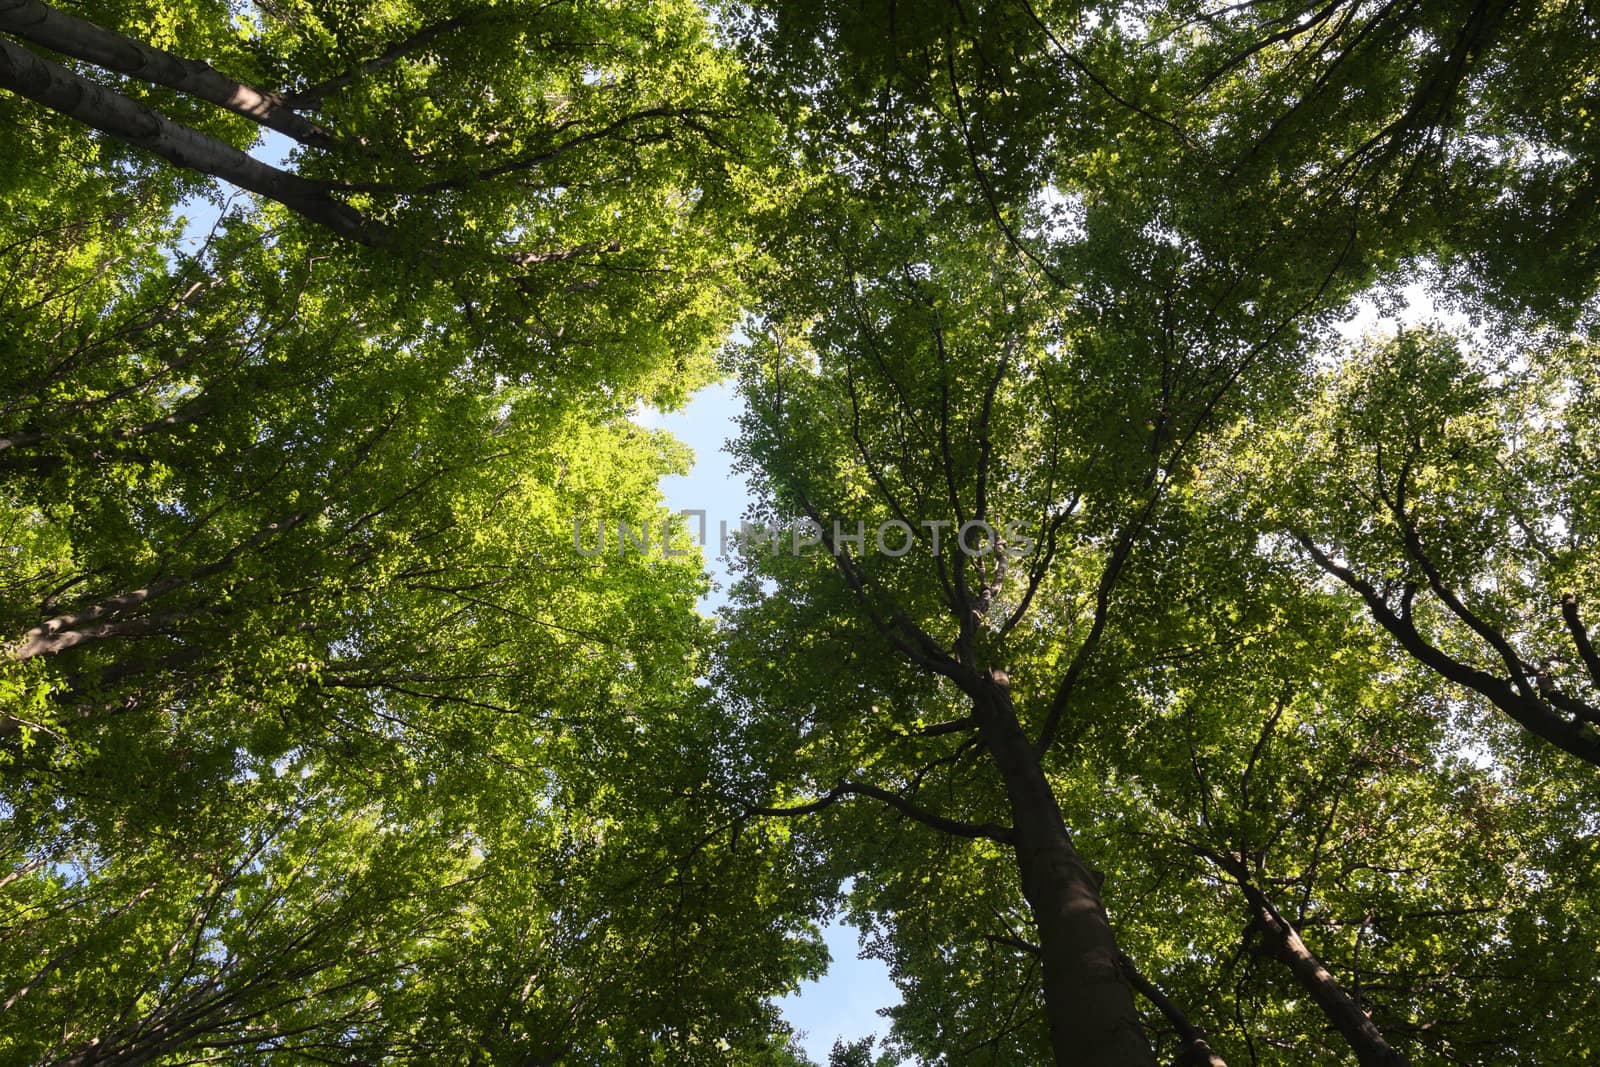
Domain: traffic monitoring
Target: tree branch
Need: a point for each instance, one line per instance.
(1534, 712)
(1580, 636)
(75, 37)
(62, 91)
(954, 827)
(313, 95)
(951, 726)
(1196, 1052)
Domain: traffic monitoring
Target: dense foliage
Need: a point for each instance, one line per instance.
(1174, 675)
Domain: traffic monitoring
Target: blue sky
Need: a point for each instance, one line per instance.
(845, 1002)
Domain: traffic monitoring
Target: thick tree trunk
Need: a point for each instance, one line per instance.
(33, 21)
(60, 90)
(1092, 1016)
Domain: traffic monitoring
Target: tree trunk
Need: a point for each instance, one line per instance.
(1092, 1016)
(43, 25)
(1341, 1009)
(62, 91)
(1284, 942)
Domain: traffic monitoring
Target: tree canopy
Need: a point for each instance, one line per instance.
(1154, 669)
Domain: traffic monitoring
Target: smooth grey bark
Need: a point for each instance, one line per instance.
(59, 89)
(43, 25)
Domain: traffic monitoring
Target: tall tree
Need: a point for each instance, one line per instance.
(955, 400)
(1055, 255)
(333, 586)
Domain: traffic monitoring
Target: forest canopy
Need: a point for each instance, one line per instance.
(1224, 691)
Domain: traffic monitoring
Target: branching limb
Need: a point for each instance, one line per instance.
(1580, 636)
(951, 726)
(71, 36)
(1534, 711)
(313, 95)
(1102, 604)
(954, 827)
(1196, 1052)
